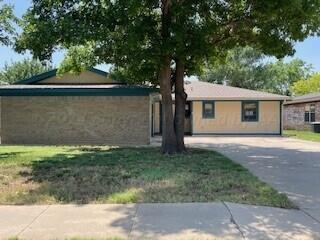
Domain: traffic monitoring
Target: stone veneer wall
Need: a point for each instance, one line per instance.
(294, 116)
(75, 120)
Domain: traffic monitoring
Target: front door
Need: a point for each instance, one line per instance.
(157, 118)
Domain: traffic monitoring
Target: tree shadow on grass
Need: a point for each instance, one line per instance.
(8, 155)
(122, 175)
(89, 175)
(131, 175)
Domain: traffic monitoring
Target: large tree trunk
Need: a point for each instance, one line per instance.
(180, 102)
(169, 142)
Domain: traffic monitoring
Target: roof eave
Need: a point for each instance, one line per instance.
(302, 101)
(237, 99)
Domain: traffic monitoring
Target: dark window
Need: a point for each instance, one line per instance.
(188, 110)
(307, 116)
(310, 113)
(208, 109)
(250, 111)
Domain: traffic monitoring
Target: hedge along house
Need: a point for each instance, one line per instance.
(302, 111)
(89, 108)
(214, 109)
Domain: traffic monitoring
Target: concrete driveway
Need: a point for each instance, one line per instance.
(291, 166)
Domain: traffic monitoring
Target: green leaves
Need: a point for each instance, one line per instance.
(309, 85)
(241, 68)
(247, 68)
(7, 19)
(78, 59)
(17, 71)
(280, 76)
(127, 33)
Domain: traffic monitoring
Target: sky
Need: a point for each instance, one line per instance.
(308, 50)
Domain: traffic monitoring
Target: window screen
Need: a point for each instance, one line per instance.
(208, 110)
(250, 111)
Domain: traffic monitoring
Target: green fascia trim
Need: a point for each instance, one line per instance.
(258, 112)
(37, 78)
(98, 71)
(53, 73)
(78, 92)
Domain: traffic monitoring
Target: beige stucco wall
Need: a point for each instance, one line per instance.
(75, 120)
(228, 119)
(84, 78)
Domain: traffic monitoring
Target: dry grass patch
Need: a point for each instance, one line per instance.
(45, 175)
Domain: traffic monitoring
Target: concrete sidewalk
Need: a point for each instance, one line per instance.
(156, 221)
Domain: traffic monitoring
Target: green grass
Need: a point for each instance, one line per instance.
(304, 135)
(48, 175)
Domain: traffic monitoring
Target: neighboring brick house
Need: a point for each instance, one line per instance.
(302, 111)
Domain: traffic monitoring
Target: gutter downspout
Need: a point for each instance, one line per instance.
(281, 118)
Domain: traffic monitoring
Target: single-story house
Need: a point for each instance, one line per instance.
(91, 108)
(302, 111)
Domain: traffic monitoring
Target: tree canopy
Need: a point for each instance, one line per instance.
(241, 68)
(280, 76)
(17, 71)
(161, 41)
(128, 33)
(7, 19)
(248, 68)
(309, 85)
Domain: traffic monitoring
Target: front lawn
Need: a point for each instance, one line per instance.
(75, 238)
(47, 175)
(304, 135)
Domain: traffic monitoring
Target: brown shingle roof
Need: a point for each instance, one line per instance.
(198, 90)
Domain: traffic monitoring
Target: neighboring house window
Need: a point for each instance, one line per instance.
(310, 113)
(250, 111)
(208, 109)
